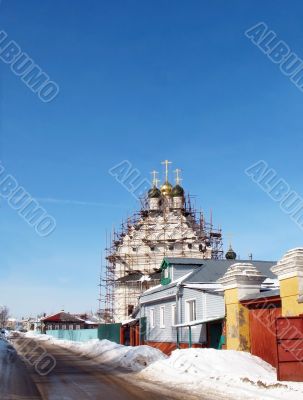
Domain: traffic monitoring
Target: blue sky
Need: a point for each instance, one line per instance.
(141, 81)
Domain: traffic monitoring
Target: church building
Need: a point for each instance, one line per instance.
(167, 225)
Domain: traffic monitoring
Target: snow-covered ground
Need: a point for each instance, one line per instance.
(197, 371)
(111, 354)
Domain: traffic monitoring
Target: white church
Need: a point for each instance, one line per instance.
(167, 226)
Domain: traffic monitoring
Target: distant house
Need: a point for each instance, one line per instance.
(66, 321)
(187, 308)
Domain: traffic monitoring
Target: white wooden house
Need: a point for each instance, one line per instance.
(187, 308)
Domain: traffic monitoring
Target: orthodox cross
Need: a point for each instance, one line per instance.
(166, 163)
(178, 179)
(229, 235)
(154, 174)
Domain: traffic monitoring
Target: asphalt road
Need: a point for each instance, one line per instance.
(73, 378)
(15, 382)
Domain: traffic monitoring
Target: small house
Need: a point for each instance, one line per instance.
(187, 308)
(65, 321)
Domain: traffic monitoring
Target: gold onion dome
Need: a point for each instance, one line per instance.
(230, 255)
(178, 191)
(154, 192)
(166, 189)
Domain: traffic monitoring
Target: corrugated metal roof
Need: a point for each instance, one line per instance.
(212, 270)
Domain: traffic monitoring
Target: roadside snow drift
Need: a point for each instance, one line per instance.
(237, 374)
(110, 354)
(209, 373)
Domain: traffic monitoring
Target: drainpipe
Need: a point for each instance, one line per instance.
(178, 314)
(140, 326)
(189, 336)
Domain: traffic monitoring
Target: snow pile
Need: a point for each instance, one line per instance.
(208, 373)
(110, 354)
(235, 373)
(114, 355)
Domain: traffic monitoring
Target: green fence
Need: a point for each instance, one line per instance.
(110, 332)
(143, 330)
(78, 335)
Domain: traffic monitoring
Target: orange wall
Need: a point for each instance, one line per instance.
(168, 347)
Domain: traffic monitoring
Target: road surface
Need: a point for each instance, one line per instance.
(73, 378)
(15, 382)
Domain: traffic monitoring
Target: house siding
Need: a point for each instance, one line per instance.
(207, 305)
(180, 270)
(157, 334)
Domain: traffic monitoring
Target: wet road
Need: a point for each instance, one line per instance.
(73, 378)
(15, 382)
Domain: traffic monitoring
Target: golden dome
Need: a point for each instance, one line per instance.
(166, 189)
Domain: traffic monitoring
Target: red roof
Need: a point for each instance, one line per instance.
(61, 317)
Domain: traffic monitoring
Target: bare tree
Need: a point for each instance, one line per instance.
(4, 314)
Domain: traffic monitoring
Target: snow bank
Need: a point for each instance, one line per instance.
(210, 373)
(110, 354)
(235, 373)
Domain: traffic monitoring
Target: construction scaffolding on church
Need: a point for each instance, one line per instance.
(167, 225)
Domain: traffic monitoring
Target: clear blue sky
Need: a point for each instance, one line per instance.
(142, 81)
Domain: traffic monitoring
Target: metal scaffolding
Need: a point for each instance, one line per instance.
(136, 250)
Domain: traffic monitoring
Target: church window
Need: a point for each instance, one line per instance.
(130, 309)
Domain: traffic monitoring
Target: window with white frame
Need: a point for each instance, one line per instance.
(166, 273)
(173, 314)
(191, 310)
(77, 326)
(71, 327)
(57, 326)
(152, 318)
(63, 327)
(162, 317)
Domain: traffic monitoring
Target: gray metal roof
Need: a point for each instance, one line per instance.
(212, 270)
(186, 261)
